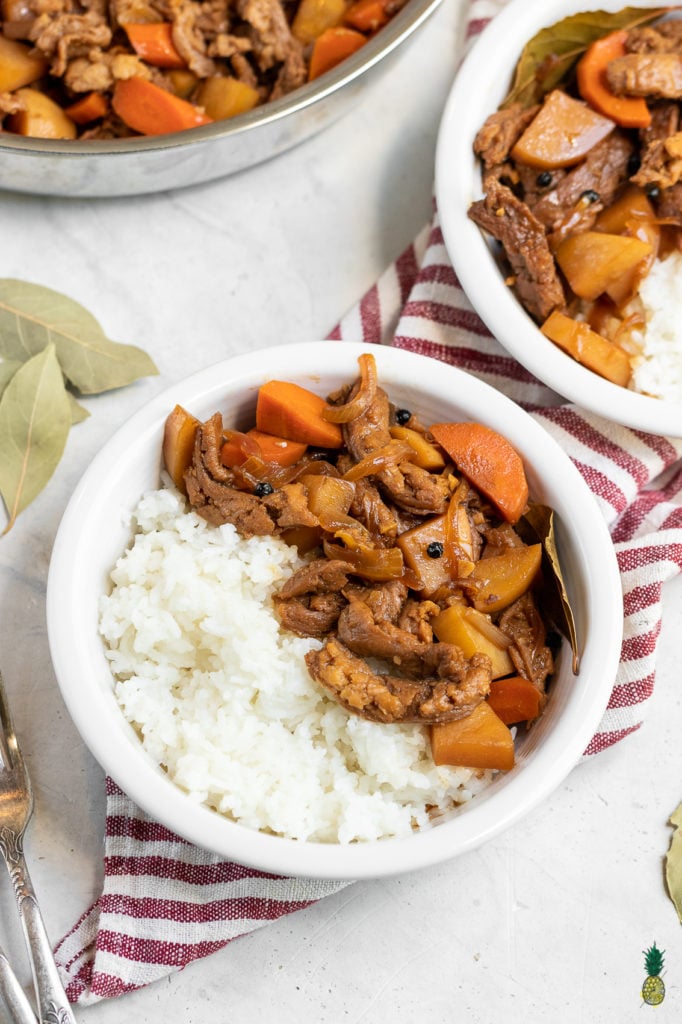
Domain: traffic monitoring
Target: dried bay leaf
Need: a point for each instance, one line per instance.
(551, 53)
(35, 418)
(537, 527)
(33, 316)
(78, 412)
(673, 862)
(8, 367)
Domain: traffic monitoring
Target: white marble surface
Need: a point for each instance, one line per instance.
(545, 923)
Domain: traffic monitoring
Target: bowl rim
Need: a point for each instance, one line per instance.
(473, 96)
(131, 768)
(392, 35)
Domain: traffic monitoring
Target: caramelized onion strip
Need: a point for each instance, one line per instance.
(381, 458)
(256, 470)
(247, 445)
(489, 630)
(364, 397)
(458, 538)
(370, 563)
(346, 529)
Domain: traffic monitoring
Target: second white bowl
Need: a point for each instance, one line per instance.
(480, 86)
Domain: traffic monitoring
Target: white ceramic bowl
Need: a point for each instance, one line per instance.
(481, 85)
(94, 532)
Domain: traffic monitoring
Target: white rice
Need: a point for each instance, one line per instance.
(221, 698)
(657, 370)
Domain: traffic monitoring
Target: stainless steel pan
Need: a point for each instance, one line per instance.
(146, 164)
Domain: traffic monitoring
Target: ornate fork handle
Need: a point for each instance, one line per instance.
(53, 1006)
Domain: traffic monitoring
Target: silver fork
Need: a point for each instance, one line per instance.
(16, 808)
(13, 994)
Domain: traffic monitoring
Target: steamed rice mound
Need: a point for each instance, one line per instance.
(657, 367)
(221, 698)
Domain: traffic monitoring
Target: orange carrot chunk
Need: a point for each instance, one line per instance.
(89, 108)
(588, 347)
(515, 699)
(279, 450)
(593, 86)
(153, 42)
(333, 46)
(367, 15)
(481, 740)
(151, 110)
(489, 462)
(291, 411)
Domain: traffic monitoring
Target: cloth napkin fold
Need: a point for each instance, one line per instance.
(165, 902)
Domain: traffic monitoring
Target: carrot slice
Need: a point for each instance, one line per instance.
(627, 111)
(367, 15)
(515, 699)
(289, 410)
(588, 347)
(489, 462)
(279, 450)
(150, 110)
(153, 41)
(331, 48)
(89, 108)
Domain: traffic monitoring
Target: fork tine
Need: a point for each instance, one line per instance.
(6, 729)
(13, 995)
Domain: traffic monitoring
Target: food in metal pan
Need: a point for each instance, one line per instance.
(104, 70)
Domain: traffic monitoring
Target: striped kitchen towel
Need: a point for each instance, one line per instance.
(166, 903)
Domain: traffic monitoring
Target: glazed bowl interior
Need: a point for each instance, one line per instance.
(148, 164)
(480, 86)
(95, 531)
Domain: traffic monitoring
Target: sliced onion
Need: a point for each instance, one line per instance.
(386, 457)
(246, 444)
(489, 630)
(346, 529)
(256, 470)
(370, 563)
(458, 548)
(327, 495)
(364, 397)
(315, 467)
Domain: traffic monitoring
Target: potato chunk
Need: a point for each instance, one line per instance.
(506, 577)
(562, 133)
(19, 66)
(465, 627)
(481, 740)
(178, 444)
(41, 117)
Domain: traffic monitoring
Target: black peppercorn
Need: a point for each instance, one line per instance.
(652, 191)
(402, 416)
(590, 196)
(543, 179)
(261, 489)
(435, 549)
